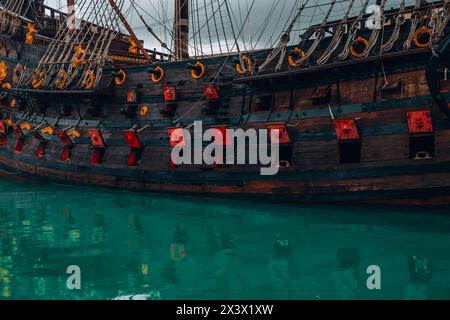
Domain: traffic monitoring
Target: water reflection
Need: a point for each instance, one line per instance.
(133, 246)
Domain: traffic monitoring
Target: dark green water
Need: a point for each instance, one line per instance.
(184, 248)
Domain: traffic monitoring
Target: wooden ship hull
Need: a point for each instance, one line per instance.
(365, 130)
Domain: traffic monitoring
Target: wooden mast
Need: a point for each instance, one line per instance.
(129, 29)
(181, 27)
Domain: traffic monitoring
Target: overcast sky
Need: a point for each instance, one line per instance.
(263, 27)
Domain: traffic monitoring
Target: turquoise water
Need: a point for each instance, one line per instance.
(171, 247)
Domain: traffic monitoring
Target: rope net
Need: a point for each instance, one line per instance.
(75, 58)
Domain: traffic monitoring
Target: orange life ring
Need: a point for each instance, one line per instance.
(292, 58)
(38, 79)
(420, 32)
(90, 80)
(121, 77)
(158, 75)
(248, 65)
(355, 53)
(143, 111)
(61, 82)
(198, 74)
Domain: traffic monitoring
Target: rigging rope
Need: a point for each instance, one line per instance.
(399, 21)
(281, 47)
(320, 34)
(76, 56)
(375, 33)
(337, 37)
(415, 17)
(353, 32)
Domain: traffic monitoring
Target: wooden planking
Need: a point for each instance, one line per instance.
(384, 149)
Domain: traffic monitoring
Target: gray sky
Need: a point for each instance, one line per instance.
(262, 29)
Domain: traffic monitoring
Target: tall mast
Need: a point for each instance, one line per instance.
(181, 28)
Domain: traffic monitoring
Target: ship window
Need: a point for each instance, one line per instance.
(421, 147)
(349, 152)
(320, 95)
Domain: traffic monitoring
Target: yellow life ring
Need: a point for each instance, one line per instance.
(293, 57)
(248, 65)
(3, 71)
(355, 53)
(158, 75)
(144, 110)
(419, 32)
(61, 81)
(90, 80)
(38, 79)
(121, 78)
(196, 74)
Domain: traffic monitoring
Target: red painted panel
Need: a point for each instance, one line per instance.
(2, 127)
(176, 137)
(40, 152)
(133, 158)
(96, 138)
(64, 137)
(132, 139)
(97, 154)
(67, 152)
(211, 92)
(131, 96)
(282, 131)
(420, 122)
(19, 144)
(170, 94)
(346, 129)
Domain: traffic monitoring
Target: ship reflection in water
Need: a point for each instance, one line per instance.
(182, 248)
